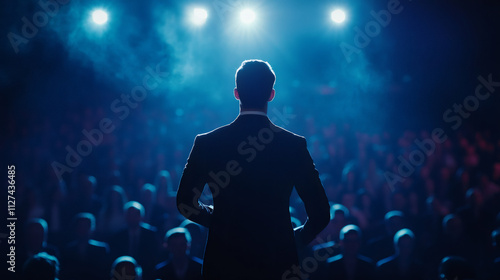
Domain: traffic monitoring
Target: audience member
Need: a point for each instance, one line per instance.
(41, 266)
(126, 268)
(179, 265)
(139, 240)
(403, 264)
(85, 258)
(350, 265)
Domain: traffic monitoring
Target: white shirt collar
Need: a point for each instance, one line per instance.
(253, 113)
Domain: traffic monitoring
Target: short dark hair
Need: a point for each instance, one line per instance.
(178, 231)
(254, 82)
(349, 229)
(88, 217)
(41, 266)
(134, 205)
(126, 267)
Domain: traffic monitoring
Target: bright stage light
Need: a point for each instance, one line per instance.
(247, 16)
(199, 16)
(338, 16)
(99, 16)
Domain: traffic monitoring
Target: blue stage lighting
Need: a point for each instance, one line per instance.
(338, 16)
(199, 16)
(247, 16)
(99, 16)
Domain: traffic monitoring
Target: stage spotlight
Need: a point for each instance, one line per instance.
(338, 16)
(99, 16)
(199, 16)
(247, 16)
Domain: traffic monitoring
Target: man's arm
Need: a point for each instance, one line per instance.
(313, 195)
(191, 186)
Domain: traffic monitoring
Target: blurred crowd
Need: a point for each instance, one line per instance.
(393, 215)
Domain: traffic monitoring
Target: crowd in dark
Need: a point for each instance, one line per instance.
(119, 201)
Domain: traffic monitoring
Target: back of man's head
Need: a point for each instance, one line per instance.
(454, 267)
(41, 266)
(126, 267)
(254, 83)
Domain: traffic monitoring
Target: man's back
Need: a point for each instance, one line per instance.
(251, 167)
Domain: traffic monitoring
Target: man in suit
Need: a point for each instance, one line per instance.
(180, 265)
(41, 266)
(350, 265)
(85, 258)
(36, 236)
(403, 264)
(139, 240)
(251, 167)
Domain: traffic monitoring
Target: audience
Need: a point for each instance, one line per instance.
(450, 202)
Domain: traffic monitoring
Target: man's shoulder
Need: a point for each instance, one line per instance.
(271, 129)
(212, 133)
(288, 133)
(387, 262)
(335, 259)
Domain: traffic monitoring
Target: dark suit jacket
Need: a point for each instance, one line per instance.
(166, 271)
(388, 269)
(95, 262)
(147, 254)
(251, 167)
(365, 268)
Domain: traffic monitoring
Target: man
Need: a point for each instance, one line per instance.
(180, 265)
(382, 247)
(85, 258)
(350, 265)
(126, 268)
(41, 266)
(139, 240)
(251, 167)
(36, 236)
(403, 264)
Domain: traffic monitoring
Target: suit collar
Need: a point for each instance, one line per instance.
(253, 113)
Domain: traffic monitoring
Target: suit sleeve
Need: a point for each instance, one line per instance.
(191, 187)
(312, 193)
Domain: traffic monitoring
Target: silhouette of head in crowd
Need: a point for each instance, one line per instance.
(178, 242)
(41, 266)
(88, 185)
(455, 268)
(36, 235)
(404, 243)
(394, 221)
(339, 215)
(164, 185)
(134, 213)
(453, 227)
(84, 226)
(350, 240)
(126, 267)
(198, 238)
